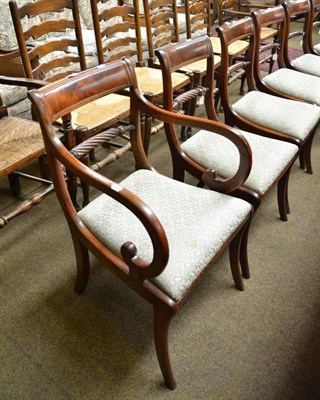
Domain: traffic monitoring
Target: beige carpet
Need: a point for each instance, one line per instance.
(259, 344)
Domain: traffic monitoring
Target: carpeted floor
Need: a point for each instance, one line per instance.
(263, 343)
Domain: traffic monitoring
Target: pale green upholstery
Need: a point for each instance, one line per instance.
(197, 223)
(282, 115)
(296, 84)
(308, 63)
(269, 157)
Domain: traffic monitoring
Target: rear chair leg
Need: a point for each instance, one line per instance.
(244, 251)
(161, 322)
(234, 256)
(83, 265)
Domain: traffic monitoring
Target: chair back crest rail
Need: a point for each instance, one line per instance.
(180, 58)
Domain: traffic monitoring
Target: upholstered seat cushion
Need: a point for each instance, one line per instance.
(269, 157)
(296, 84)
(197, 223)
(308, 63)
(294, 118)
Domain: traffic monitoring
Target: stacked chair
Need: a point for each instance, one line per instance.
(156, 234)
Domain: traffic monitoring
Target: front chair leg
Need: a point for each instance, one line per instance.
(161, 322)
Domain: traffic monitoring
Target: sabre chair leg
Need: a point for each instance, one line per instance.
(283, 196)
(161, 322)
(307, 154)
(244, 262)
(302, 159)
(234, 256)
(83, 265)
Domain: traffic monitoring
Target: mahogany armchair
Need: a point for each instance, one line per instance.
(307, 63)
(262, 113)
(158, 235)
(272, 159)
(284, 82)
(21, 143)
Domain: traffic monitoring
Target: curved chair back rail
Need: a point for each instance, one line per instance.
(147, 267)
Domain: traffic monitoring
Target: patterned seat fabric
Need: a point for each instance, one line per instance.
(269, 157)
(308, 63)
(211, 218)
(291, 117)
(294, 83)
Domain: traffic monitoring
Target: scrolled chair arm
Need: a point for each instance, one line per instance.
(139, 269)
(214, 182)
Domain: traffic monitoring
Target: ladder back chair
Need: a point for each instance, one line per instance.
(307, 63)
(118, 33)
(21, 143)
(52, 48)
(198, 22)
(161, 25)
(284, 82)
(271, 159)
(139, 228)
(262, 113)
(162, 29)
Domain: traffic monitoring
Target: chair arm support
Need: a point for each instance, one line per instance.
(31, 83)
(218, 184)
